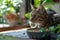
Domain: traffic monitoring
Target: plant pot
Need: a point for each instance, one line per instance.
(11, 19)
(54, 36)
(12, 22)
(38, 34)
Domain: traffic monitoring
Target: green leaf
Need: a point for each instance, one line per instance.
(36, 3)
(12, 9)
(0, 14)
(49, 1)
(58, 37)
(59, 26)
(1, 2)
(27, 15)
(52, 29)
(47, 7)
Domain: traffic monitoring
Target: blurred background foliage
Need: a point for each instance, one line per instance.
(37, 2)
(9, 6)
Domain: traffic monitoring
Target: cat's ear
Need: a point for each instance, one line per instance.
(42, 2)
(32, 7)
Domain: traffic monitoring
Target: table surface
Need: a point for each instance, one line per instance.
(20, 34)
(6, 27)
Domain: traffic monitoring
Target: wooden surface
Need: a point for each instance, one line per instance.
(13, 28)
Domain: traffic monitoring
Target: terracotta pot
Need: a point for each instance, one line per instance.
(11, 19)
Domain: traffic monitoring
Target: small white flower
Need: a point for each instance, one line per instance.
(8, 8)
(3, 6)
(15, 4)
